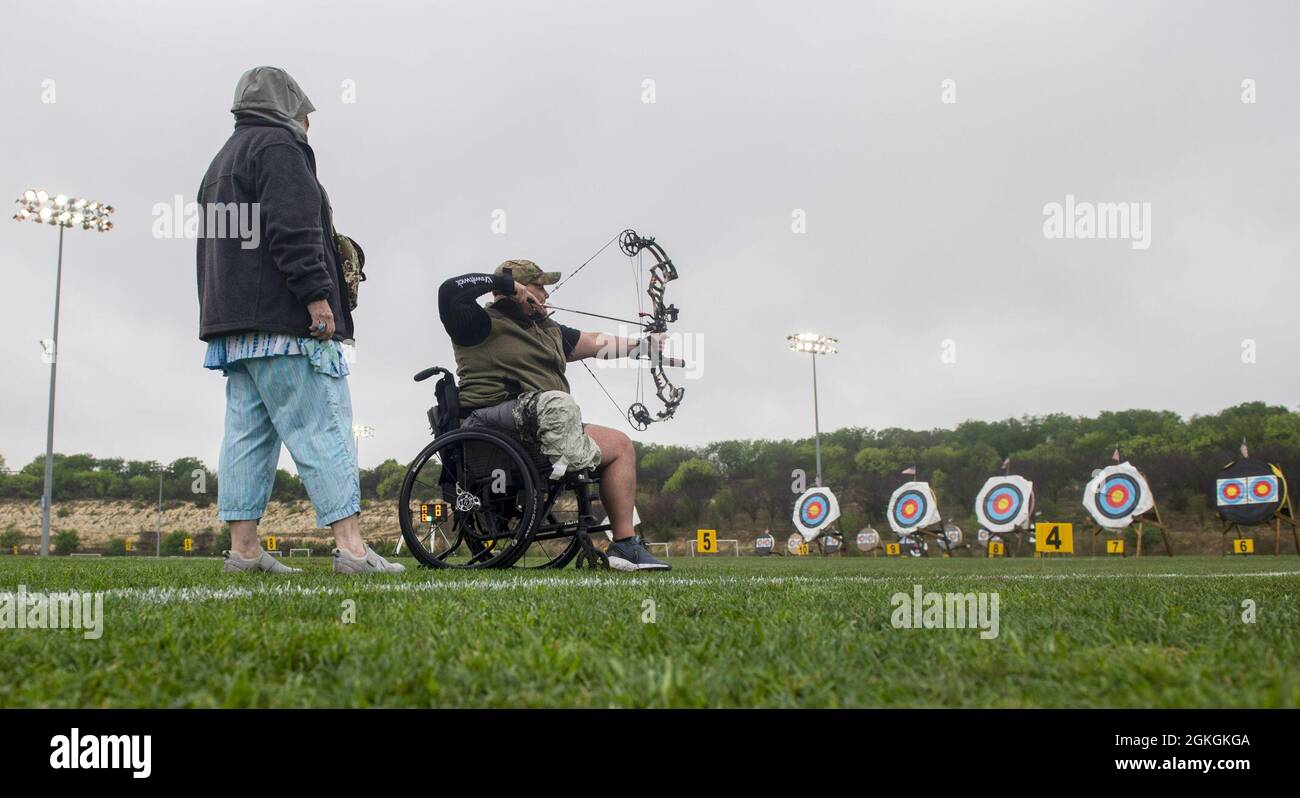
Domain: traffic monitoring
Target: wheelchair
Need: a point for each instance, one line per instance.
(477, 497)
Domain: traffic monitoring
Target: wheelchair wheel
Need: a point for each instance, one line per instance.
(550, 546)
(469, 500)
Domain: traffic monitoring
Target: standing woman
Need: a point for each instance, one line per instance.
(273, 313)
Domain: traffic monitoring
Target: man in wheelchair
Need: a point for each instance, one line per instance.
(510, 363)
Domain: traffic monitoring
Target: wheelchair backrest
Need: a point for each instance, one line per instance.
(445, 416)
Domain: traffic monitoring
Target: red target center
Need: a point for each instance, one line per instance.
(909, 508)
(1232, 491)
(814, 510)
(1117, 497)
(1263, 489)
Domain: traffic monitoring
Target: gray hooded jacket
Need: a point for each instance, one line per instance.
(267, 164)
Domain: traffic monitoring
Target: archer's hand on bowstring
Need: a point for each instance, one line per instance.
(528, 301)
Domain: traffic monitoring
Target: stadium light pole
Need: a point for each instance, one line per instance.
(62, 212)
(814, 345)
(157, 548)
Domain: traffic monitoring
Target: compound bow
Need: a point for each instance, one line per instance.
(654, 322)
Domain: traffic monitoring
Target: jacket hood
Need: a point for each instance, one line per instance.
(272, 94)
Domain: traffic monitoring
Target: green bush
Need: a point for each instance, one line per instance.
(173, 543)
(10, 537)
(64, 512)
(116, 548)
(66, 541)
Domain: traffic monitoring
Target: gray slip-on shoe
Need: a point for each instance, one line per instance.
(265, 562)
(372, 563)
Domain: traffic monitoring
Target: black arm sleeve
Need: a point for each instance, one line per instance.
(570, 337)
(466, 322)
(290, 203)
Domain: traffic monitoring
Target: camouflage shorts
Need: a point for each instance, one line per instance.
(546, 421)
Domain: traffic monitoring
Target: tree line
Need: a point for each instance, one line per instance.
(749, 484)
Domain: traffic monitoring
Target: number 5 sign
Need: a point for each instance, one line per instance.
(1054, 538)
(706, 541)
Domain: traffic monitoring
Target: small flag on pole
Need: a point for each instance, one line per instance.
(910, 471)
(1006, 465)
(1244, 451)
(1116, 456)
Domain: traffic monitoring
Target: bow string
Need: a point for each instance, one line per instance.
(654, 322)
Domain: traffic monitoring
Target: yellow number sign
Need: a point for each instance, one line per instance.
(1054, 538)
(997, 548)
(706, 541)
(271, 543)
(188, 545)
(1115, 546)
(1243, 546)
(15, 549)
(893, 549)
(128, 544)
(803, 550)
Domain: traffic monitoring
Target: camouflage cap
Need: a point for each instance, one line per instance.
(525, 271)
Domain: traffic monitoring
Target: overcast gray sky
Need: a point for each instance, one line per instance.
(924, 218)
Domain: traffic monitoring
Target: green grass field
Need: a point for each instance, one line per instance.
(771, 632)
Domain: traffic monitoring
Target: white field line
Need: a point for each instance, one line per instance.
(185, 595)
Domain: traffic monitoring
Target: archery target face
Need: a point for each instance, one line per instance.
(982, 537)
(953, 533)
(912, 507)
(1005, 503)
(1249, 492)
(1262, 489)
(1232, 491)
(793, 543)
(1116, 494)
(868, 539)
(764, 542)
(815, 510)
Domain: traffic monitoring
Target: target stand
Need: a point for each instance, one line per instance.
(1252, 493)
(1141, 520)
(1117, 497)
(1285, 513)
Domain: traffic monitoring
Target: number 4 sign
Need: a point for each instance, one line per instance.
(1054, 538)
